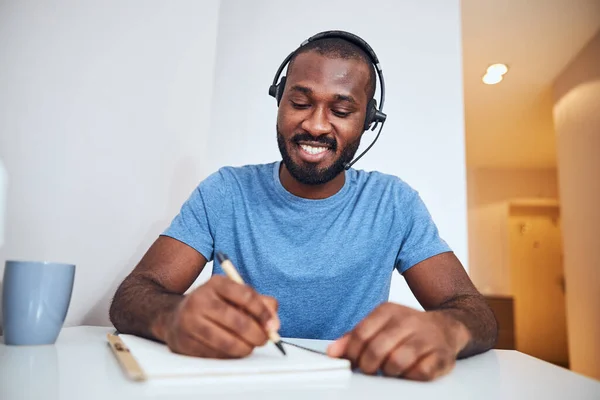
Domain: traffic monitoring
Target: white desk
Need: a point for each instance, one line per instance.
(81, 366)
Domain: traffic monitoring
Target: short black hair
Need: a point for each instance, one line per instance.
(340, 48)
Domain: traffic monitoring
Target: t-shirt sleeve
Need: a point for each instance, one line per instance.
(197, 222)
(421, 238)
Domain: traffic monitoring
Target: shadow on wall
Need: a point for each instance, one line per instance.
(581, 73)
(98, 314)
(181, 187)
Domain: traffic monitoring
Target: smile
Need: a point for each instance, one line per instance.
(313, 149)
(314, 152)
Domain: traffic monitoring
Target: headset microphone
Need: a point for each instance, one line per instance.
(351, 163)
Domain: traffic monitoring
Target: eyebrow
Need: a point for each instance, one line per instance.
(301, 89)
(338, 97)
(343, 97)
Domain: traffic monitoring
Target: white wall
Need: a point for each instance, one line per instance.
(104, 112)
(3, 189)
(577, 120)
(489, 191)
(423, 139)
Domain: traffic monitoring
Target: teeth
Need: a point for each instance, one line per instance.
(313, 150)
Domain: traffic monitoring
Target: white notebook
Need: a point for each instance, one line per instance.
(157, 362)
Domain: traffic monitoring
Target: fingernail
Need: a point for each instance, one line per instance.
(273, 325)
(333, 349)
(329, 348)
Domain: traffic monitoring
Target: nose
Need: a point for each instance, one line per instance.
(317, 123)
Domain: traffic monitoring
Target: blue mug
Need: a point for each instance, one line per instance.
(35, 301)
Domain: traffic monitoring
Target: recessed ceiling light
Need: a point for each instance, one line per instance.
(490, 79)
(497, 69)
(494, 74)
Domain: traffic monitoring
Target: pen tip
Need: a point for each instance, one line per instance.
(280, 347)
(221, 257)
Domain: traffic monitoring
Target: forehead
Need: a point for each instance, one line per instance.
(329, 75)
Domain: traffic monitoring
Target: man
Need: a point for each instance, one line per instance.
(319, 240)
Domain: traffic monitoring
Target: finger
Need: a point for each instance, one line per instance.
(431, 366)
(271, 302)
(214, 335)
(446, 363)
(404, 356)
(248, 299)
(338, 348)
(192, 346)
(237, 322)
(273, 305)
(376, 352)
(365, 330)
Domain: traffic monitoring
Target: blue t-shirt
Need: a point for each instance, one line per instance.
(328, 262)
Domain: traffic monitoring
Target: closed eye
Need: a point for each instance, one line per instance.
(340, 114)
(299, 106)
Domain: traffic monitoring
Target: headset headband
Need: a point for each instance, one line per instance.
(350, 37)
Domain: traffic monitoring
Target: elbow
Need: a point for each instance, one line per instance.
(113, 314)
(496, 331)
(493, 328)
(117, 309)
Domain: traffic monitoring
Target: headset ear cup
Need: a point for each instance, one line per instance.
(277, 90)
(371, 113)
(273, 91)
(280, 90)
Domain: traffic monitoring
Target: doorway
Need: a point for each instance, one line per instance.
(537, 281)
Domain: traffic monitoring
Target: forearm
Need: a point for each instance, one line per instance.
(477, 317)
(142, 307)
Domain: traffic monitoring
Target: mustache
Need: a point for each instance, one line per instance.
(306, 137)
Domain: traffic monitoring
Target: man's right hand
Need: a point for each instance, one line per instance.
(220, 319)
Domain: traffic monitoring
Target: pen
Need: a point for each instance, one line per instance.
(232, 273)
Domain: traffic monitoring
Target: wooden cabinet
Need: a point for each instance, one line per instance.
(503, 308)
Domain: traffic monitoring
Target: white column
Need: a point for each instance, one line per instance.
(577, 123)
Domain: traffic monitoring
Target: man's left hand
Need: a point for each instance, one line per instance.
(403, 342)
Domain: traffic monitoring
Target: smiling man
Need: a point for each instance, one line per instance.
(317, 244)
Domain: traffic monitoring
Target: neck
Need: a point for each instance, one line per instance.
(313, 192)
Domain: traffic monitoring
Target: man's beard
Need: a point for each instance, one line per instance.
(310, 174)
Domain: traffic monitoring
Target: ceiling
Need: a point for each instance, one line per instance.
(509, 125)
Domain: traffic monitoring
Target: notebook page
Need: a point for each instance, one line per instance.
(158, 361)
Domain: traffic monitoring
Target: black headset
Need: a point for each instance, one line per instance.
(373, 115)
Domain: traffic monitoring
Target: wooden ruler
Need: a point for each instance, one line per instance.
(129, 364)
